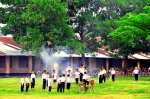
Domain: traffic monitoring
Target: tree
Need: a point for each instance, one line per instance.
(37, 23)
(132, 34)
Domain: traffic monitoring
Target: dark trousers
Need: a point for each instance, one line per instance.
(62, 87)
(49, 88)
(100, 79)
(76, 79)
(81, 76)
(47, 83)
(27, 87)
(85, 82)
(33, 83)
(68, 85)
(22, 87)
(58, 87)
(44, 84)
(104, 78)
(136, 77)
(113, 77)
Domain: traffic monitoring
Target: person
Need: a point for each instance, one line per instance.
(104, 74)
(33, 77)
(149, 70)
(85, 70)
(100, 76)
(113, 74)
(49, 83)
(59, 83)
(27, 83)
(85, 78)
(69, 70)
(81, 70)
(54, 75)
(44, 76)
(47, 74)
(136, 72)
(77, 75)
(68, 81)
(62, 81)
(22, 83)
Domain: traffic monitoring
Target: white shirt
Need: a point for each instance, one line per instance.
(54, 75)
(33, 76)
(22, 80)
(63, 79)
(27, 80)
(81, 70)
(49, 82)
(136, 71)
(44, 76)
(113, 72)
(68, 68)
(104, 71)
(68, 80)
(149, 68)
(85, 76)
(100, 73)
(59, 80)
(77, 74)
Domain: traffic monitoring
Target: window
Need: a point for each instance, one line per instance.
(2, 61)
(23, 61)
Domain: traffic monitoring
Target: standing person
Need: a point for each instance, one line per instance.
(27, 83)
(77, 75)
(85, 70)
(22, 84)
(68, 80)
(49, 83)
(104, 74)
(136, 72)
(59, 83)
(44, 76)
(54, 75)
(47, 78)
(62, 86)
(149, 70)
(100, 76)
(113, 74)
(69, 70)
(33, 77)
(85, 80)
(81, 70)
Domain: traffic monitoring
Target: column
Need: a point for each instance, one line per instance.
(123, 63)
(30, 64)
(7, 64)
(71, 63)
(107, 64)
(138, 64)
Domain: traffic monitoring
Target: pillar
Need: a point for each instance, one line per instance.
(123, 63)
(30, 64)
(7, 64)
(138, 64)
(107, 65)
(71, 63)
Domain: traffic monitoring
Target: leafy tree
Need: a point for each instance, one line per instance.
(132, 34)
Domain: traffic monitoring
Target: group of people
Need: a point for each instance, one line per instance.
(65, 78)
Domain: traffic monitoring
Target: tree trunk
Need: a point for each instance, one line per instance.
(83, 59)
(125, 62)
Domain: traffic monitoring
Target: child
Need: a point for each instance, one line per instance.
(104, 74)
(68, 82)
(59, 83)
(77, 75)
(81, 70)
(62, 86)
(27, 83)
(85, 78)
(113, 74)
(136, 72)
(47, 79)
(33, 80)
(54, 75)
(44, 76)
(100, 76)
(22, 84)
(49, 83)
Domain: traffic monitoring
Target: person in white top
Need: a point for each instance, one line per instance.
(27, 83)
(77, 75)
(59, 83)
(49, 83)
(85, 78)
(104, 74)
(100, 76)
(69, 70)
(113, 74)
(33, 77)
(136, 72)
(54, 75)
(85, 70)
(22, 84)
(81, 70)
(62, 86)
(68, 80)
(149, 70)
(44, 76)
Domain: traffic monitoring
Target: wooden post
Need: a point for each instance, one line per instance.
(107, 64)
(30, 64)
(71, 63)
(90, 63)
(123, 63)
(7, 64)
(138, 64)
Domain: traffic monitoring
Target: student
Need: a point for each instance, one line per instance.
(77, 75)
(85, 78)
(47, 78)
(69, 70)
(59, 83)
(100, 76)
(27, 83)
(63, 80)
(104, 74)
(44, 76)
(33, 77)
(81, 70)
(54, 75)
(22, 84)
(113, 74)
(136, 72)
(68, 80)
(85, 70)
(49, 83)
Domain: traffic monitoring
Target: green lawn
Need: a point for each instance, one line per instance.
(122, 88)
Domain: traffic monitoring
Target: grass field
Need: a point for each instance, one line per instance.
(122, 88)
